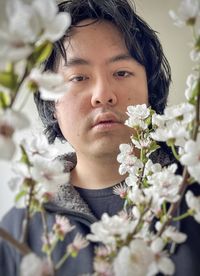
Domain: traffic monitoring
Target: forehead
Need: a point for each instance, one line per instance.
(91, 37)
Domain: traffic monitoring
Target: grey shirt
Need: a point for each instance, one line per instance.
(101, 201)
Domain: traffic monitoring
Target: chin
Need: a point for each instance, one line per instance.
(106, 148)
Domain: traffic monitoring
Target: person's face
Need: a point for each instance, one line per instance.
(103, 80)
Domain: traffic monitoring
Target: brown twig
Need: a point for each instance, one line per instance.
(15, 93)
(185, 174)
(21, 247)
(174, 206)
(26, 220)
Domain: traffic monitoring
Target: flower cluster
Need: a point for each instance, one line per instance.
(138, 238)
(153, 193)
(38, 173)
(26, 24)
(27, 35)
(26, 38)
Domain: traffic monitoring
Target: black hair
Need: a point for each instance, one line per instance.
(141, 41)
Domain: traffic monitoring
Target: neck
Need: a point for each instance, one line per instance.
(97, 173)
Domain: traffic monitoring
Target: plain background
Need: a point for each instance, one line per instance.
(176, 45)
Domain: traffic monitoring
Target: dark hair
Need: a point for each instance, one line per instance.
(141, 41)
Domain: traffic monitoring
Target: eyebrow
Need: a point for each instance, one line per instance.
(80, 61)
(76, 61)
(120, 57)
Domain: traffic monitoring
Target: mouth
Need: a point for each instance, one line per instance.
(106, 121)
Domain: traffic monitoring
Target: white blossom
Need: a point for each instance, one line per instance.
(195, 56)
(18, 31)
(49, 174)
(32, 265)
(131, 180)
(192, 153)
(21, 172)
(10, 121)
(78, 243)
(27, 23)
(142, 143)
(38, 144)
(14, 119)
(108, 228)
(157, 245)
(136, 213)
(137, 114)
(46, 175)
(49, 239)
(133, 259)
(191, 83)
(151, 167)
(176, 131)
(158, 120)
(194, 171)
(174, 235)
(184, 112)
(129, 162)
(171, 233)
(120, 190)
(164, 185)
(55, 24)
(187, 11)
(7, 147)
(193, 203)
(172, 125)
(62, 225)
(136, 195)
(162, 263)
(191, 158)
(51, 85)
(103, 268)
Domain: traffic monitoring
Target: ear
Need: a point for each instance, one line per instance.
(55, 115)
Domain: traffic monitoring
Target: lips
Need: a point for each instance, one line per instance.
(106, 119)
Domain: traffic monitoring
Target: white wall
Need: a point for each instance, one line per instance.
(175, 43)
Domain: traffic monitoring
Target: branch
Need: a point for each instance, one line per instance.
(174, 206)
(21, 247)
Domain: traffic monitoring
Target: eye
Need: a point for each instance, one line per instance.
(78, 78)
(123, 74)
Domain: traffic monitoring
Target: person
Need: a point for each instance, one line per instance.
(110, 59)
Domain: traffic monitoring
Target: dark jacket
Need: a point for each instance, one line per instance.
(68, 203)
(78, 214)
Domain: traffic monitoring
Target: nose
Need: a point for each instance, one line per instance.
(103, 93)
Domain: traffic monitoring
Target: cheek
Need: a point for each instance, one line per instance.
(137, 94)
(134, 98)
(70, 112)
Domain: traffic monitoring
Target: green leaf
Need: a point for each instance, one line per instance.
(32, 86)
(152, 112)
(197, 43)
(20, 195)
(195, 93)
(148, 120)
(41, 53)
(4, 100)
(24, 158)
(8, 79)
(153, 147)
(191, 21)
